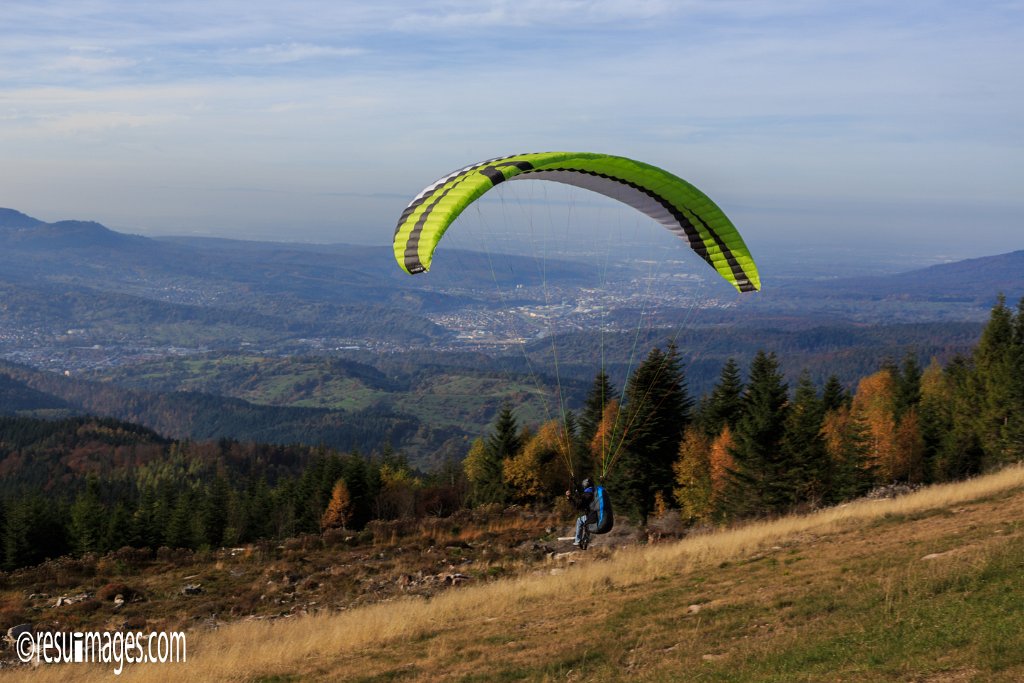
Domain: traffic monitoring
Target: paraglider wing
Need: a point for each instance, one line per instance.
(668, 199)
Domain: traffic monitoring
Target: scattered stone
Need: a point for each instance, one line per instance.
(65, 600)
(14, 632)
(456, 579)
(933, 556)
(119, 601)
(693, 609)
(192, 589)
(892, 491)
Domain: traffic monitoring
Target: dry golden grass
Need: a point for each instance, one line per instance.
(335, 645)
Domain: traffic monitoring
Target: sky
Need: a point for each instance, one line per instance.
(889, 125)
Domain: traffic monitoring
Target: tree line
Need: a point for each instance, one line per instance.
(153, 493)
(759, 446)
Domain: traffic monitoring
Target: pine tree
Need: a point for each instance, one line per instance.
(847, 442)
(237, 521)
(214, 512)
(181, 531)
(89, 520)
(33, 531)
(935, 417)
(803, 446)
(834, 395)
(725, 404)
(656, 413)
(163, 508)
(995, 383)
(960, 453)
(354, 472)
(1013, 432)
(908, 385)
(601, 393)
(485, 468)
(310, 496)
(148, 534)
(259, 509)
(760, 482)
(485, 474)
(284, 521)
(505, 440)
(119, 530)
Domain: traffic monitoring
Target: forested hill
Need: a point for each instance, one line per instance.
(972, 281)
(195, 415)
(18, 397)
(60, 455)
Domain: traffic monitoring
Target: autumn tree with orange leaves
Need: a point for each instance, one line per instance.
(339, 509)
(875, 404)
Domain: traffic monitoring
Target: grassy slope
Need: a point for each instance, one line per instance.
(927, 587)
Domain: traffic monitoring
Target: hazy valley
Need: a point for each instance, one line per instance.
(298, 337)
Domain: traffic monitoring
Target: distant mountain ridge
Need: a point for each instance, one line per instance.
(974, 281)
(19, 230)
(15, 220)
(973, 277)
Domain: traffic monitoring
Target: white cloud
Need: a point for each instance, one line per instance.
(90, 64)
(297, 52)
(90, 121)
(525, 13)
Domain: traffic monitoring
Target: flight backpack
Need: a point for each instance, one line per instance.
(600, 519)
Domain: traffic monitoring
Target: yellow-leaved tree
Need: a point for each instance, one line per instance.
(875, 404)
(339, 509)
(539, 469)
(693, 476)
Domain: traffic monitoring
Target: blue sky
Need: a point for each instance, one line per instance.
(832, 123)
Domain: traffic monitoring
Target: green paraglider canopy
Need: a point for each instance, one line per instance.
(668, 199)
